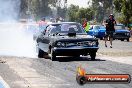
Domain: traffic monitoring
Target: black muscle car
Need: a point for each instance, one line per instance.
(66, 39)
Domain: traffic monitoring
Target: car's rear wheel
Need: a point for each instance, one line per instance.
(40, 53)
(53, 55)
(93, 55)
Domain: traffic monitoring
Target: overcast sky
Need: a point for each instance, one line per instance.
(81, 3)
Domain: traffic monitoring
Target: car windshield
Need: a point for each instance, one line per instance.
(119, 27)
(64, 28)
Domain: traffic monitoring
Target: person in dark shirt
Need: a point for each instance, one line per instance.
(109, 29)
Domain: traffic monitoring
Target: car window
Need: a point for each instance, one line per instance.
(47, 30)
(64, 28)
(55, 29)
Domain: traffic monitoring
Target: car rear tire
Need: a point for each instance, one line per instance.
(53, 55)
(40, 53)
(93, 55)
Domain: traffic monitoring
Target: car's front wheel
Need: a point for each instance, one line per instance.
(93, 55)
(53, 55)
(122, 39)
(128, 39)
(42, 54)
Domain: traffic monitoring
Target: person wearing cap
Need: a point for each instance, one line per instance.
(109, 29)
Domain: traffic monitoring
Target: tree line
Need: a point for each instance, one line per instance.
(97, 10)
(41, 8)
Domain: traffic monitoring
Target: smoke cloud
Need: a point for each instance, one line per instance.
(15, 37)
(9, 10)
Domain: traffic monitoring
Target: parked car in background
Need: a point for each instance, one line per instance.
(121, 33)
(97, 30)
(66, 39)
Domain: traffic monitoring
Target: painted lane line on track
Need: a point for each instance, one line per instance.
(32, 77)
(3, 84)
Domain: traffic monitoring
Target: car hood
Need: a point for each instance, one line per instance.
(121, 30)
(69, 38)
(102, 30)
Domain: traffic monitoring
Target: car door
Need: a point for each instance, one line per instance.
(44, 40)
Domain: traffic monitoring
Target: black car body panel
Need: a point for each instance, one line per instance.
(73, 51)
(65, 43)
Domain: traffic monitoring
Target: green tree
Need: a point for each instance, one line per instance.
(79, 14)
(39, 8)
(124, 7)
(72, 12)
(85, 13)
(23, 8)
(102, 9)
(61, 12)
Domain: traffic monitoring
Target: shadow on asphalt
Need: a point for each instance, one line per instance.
(71, 59)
